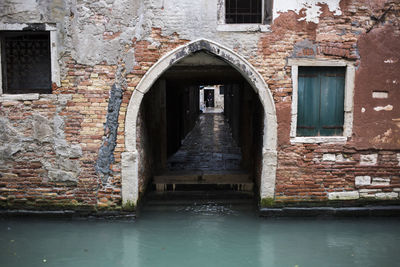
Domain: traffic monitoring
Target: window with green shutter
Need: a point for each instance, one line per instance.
(320, 101)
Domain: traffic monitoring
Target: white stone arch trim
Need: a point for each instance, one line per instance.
(129, 172)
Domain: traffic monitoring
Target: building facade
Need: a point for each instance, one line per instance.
(84, 106)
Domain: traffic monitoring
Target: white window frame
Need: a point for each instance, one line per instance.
(240, 27)
(55, 67)
(295, 63)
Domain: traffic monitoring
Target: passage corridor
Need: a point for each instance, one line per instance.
(208, 147)
(208, 158)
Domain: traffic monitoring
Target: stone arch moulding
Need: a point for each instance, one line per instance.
(129, 171)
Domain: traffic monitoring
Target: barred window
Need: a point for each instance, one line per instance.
(248, 11)
(25, 62)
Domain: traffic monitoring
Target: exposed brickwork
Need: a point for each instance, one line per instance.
(306, 173)
(78, 109)
(302, 173)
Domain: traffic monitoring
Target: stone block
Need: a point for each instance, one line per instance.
(19, 97)
(385, 108)
(369, 159)
(362, 180)
(367, 195)
(348, 195)
(62, 176)
(380, 181)
(388, 195)
(340, 158)
(369, 190)
(378, 94)
(329, 157)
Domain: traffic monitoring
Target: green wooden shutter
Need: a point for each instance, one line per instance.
(332, 101)
(308, 102)
(320, 101)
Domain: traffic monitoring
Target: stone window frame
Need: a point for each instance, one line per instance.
(348, 99)
(55, 67)
(242, 27)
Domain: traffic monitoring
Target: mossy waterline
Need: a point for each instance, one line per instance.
(267, 202)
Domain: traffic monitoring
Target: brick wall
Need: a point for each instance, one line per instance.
(50, 143)
(326, 171)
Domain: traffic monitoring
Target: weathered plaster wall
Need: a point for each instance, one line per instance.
(49, 144)
(334, 171)
(377, 100)
(38, 164)
(310, 9)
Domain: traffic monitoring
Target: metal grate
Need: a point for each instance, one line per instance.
(26, 64)
(243, 11)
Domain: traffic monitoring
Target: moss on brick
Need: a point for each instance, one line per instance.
(129, 206)
(267, 202)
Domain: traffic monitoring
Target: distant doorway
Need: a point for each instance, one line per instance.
(209, 98)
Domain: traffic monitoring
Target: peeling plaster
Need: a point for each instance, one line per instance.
(385, 108)
(47, 133)
(386, 137)
(397, 122)
(110, 26)
(390, 61)
(311, 8)
(94, 25)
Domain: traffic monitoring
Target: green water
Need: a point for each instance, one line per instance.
(200, 236)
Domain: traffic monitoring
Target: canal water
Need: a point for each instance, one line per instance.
(200, 235)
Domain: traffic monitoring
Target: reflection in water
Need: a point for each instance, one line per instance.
(200, 235)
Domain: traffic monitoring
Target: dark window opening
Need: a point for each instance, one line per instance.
(248, 11)
(221, 89)
(25, 62)
(320, 101)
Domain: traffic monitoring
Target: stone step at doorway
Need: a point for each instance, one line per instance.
(203, 180)
(200, 197)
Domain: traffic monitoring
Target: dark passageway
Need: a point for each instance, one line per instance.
(184, 149)
(209, 146)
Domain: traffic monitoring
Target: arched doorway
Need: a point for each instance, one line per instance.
(130, 157)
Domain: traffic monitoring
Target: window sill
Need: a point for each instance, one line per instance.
(243, 28)
(18, 97)
(318, 139)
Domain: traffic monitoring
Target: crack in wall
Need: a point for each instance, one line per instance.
(379, 20)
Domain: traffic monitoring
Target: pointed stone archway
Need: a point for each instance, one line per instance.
(130, 182)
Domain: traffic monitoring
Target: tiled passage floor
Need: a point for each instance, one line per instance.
(208, 147)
